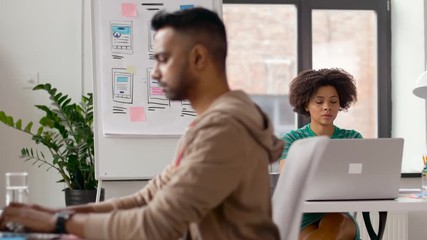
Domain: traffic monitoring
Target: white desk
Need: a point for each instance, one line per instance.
(401, 204)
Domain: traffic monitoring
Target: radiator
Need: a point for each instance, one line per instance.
(396, 227)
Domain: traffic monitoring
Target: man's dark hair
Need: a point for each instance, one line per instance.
(306, 84)
(202, 24)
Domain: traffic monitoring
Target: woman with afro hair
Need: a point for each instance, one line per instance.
(321, 95)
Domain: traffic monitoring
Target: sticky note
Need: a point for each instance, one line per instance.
(137, 114)
(131, 69)
(355, 168)
(188, 6)
(129, 10)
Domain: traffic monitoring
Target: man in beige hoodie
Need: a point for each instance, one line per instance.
(218, 186)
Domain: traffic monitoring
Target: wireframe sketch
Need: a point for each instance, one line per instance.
(151, 35)
(157, 99)
(187, 110)
(152, 9)
(152, 6)
(119, 110)
(122, 86)
(121, 37)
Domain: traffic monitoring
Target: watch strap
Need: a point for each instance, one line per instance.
(61, 219)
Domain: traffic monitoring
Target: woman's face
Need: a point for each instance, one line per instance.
(324, 106)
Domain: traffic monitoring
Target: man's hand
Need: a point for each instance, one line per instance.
(35, 207)
(32, 217)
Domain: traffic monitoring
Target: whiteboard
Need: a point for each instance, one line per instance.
(136, 126)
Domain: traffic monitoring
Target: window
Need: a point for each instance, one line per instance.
(335, 44)
(262, 56)
(270, 41)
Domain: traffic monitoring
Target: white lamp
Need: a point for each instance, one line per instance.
(420, 89)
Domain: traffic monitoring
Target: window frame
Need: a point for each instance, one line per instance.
(305, 47)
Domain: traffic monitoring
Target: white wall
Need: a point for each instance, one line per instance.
(39, 38)
(408, 62)
(409, 118)
(44, 37)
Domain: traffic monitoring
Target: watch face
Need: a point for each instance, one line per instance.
(64, 215)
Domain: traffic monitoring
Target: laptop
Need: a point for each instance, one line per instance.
(358, 169)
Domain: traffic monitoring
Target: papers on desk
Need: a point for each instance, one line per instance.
(412, 192)
(409, 190)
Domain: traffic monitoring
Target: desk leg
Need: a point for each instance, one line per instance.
(98, 191)
(381, 225)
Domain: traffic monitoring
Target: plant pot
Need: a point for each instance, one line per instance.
(76, 196)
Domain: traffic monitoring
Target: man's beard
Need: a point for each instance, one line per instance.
(185, 81)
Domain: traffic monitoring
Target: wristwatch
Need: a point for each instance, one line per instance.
(61, 219)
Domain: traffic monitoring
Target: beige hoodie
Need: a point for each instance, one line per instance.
(219, 190)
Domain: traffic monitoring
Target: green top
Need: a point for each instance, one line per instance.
(306, 132)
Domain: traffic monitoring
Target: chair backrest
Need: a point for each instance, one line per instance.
(288, 197)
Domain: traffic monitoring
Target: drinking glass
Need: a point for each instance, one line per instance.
(16, 191)
(16, 187)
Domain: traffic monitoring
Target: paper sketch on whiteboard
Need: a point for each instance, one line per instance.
(133, 103)
(156, 98)
(121, 37)
(122, 86)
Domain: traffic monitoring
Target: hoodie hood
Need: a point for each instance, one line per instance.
(256, 122)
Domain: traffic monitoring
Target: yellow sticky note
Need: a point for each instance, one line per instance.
(131, 69)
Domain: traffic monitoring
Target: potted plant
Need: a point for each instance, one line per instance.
(66, 130)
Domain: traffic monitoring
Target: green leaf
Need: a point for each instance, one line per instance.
(2, 116)
(66, 103)
(18, 124)
(40, 130)
(52, 92)
(44, 109)
(28, 127)
(46, 121)
(57, 96)
(39, 87)
(62, 99)
(9, 121)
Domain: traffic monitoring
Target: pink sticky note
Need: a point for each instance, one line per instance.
(129, 10)
(137, 114)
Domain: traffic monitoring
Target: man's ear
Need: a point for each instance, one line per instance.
(199, 56)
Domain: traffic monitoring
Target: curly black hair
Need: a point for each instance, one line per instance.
(306, 84)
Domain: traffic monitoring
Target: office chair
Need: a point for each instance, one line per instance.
(288, 197)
